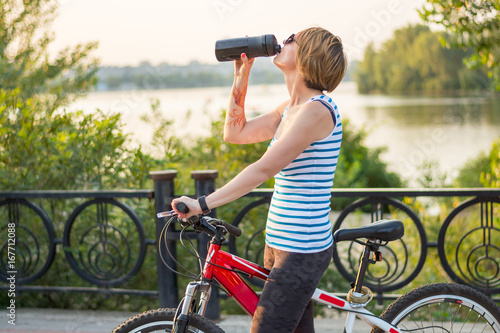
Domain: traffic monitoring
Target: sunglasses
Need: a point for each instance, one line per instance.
(290, 39)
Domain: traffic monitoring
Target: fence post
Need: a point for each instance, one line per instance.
(167, 280)
(204, 185)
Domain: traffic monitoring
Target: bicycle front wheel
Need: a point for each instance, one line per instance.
(443, 308)
(161, 320)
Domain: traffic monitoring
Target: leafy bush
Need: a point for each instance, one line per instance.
(42, 148)
(482, 171)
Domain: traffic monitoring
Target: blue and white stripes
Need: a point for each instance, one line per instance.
(298, 215)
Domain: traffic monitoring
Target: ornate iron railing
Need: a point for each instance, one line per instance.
(467, 242)
(104, 241)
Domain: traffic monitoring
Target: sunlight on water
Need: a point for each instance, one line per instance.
(450, 130)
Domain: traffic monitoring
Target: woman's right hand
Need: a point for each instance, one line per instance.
(242, 67)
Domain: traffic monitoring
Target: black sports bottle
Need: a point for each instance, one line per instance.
(259, 46)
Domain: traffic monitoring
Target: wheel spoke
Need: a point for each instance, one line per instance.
(431, 317)
(465, 320)
(444, 308)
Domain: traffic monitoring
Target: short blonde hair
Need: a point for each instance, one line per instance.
(320, 58)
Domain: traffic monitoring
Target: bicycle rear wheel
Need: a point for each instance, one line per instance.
(443, 308)
(161, 320)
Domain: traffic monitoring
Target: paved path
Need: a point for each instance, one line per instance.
(66, 321)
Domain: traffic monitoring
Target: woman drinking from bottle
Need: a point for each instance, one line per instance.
(306, 134)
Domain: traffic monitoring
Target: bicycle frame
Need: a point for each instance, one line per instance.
(225, 268)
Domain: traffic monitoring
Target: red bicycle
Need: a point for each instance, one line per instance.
(436, 308)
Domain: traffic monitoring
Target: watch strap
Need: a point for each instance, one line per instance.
(203, 205)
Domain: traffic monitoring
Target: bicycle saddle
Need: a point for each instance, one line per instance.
(383, 230)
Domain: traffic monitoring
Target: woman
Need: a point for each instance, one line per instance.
(306, 133)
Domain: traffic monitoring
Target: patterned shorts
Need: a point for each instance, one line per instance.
(285, 304)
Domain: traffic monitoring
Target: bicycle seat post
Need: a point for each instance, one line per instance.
(363, 266)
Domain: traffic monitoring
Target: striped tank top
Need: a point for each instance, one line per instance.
(298, 215)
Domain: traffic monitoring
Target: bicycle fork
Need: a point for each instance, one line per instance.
(188, 306)
(199, 289)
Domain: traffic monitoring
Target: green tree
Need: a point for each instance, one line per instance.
(45, 149)
(414, 60)
(163, 143)
(469, 174)
(43, 146)
(471, 23)
(365, 79)
(25, 61)
(482, 171)
(491, 178)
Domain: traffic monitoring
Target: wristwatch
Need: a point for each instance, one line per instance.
(203, 205)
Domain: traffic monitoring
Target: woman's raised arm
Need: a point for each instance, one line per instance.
(238, 129)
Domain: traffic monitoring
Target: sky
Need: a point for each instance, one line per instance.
(178, 32)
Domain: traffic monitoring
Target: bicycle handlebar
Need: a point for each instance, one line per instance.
(229, 227)
(181, 207)
(196, 220)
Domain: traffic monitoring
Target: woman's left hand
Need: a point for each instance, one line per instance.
(192, 204)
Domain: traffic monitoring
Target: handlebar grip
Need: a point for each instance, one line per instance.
(229, 227)
(181, 207)
(232, 229)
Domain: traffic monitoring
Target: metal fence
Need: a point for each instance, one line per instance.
(104, 241)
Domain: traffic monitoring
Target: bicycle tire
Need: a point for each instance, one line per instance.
(427, 308)
(161, 320)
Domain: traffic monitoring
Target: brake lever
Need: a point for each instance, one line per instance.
(166, 214)
(181, 207)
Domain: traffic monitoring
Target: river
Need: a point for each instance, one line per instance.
(414, 129)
